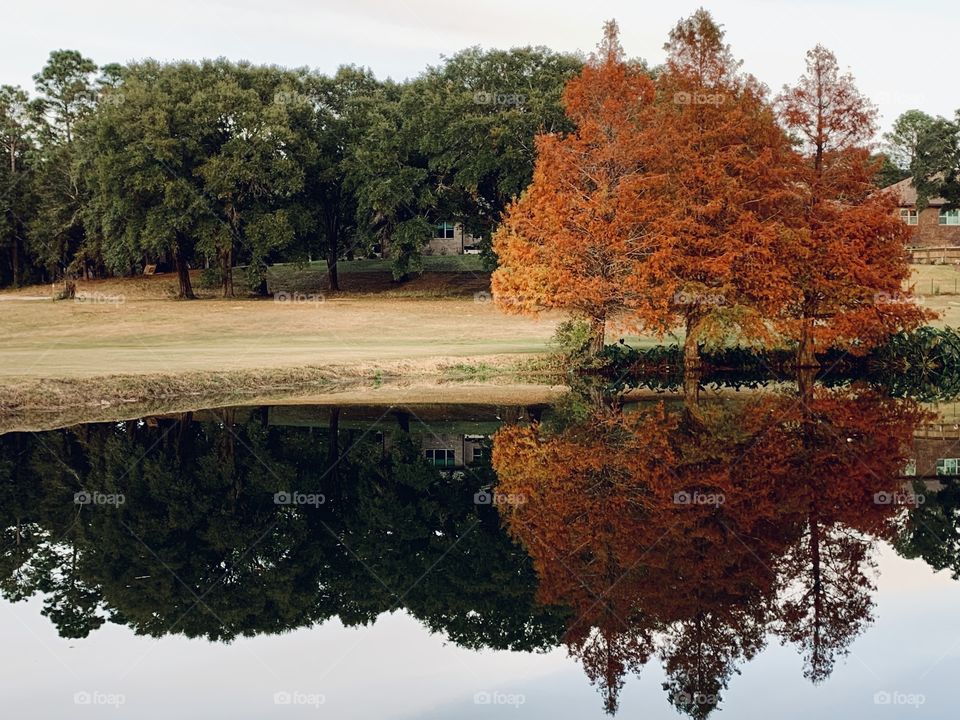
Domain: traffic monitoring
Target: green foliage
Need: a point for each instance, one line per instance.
(571, 343)
(392, 532)
(904, 138)
(455, 144)
(923, 364)
(936, 164)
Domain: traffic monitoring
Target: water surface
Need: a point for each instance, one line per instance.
(593, 558)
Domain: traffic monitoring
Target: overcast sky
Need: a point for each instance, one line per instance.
(903, 54)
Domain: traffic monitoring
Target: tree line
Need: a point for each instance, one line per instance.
(218, 164)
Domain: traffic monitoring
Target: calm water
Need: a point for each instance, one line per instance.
(766, 553)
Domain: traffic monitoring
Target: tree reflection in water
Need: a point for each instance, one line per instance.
(691, 533)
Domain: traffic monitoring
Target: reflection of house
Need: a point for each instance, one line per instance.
(451, 436)
(935, 226)
(449, 238)
(936, 446)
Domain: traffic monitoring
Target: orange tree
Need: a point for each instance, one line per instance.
(574, 237)
(846, 250)
(719, 167)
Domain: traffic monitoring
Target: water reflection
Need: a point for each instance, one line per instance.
(688, 534)
(693, 533)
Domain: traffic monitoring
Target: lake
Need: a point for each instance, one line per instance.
(752, 552)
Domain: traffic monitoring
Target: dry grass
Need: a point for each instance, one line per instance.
(69, 339)
(938, 287)
(128, 343)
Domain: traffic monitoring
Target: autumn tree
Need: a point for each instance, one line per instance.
(848, 448)
(718, 168)
(572, 240)
(845, 251)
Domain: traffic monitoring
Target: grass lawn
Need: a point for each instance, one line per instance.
(69, 339)
(938, 287)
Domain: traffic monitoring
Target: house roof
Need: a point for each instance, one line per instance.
(906, 194)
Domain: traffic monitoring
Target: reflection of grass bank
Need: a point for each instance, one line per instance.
(40, 403)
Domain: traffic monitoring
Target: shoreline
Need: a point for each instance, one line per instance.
(45, 403)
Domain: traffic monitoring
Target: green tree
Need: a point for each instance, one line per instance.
(904, 137)
(17, 203)
(456, 143)
(195, 160)
(936, 164)
(326, 208)
(67, 94)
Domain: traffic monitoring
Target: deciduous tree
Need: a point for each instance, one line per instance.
(574, 237)
(846, 251)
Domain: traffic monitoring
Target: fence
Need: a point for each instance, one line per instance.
(949, 255)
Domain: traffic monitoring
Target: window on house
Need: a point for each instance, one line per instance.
(948, 466)
(481, 454)
(908, 216)
(440, 458)
(910, 469)
(950, 217)
(444, 231)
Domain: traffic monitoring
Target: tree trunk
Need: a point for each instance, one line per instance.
(15, 261)
(333, 252)
(226, 272)
(691, 345)
(691, 394)
(806, 377)
(333, 448)
(183, 276)
(806, 352)
(598, 332)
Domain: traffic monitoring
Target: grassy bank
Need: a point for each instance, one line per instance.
(44, 403)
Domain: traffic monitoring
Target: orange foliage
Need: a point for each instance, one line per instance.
(573, 237)
(694, 535)
(847, 254)
(681, 202)
(720, 169)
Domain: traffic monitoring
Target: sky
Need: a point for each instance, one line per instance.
(395, 668)
(902, 54)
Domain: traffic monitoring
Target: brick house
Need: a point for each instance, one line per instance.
(937, 225)
(449, 238)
